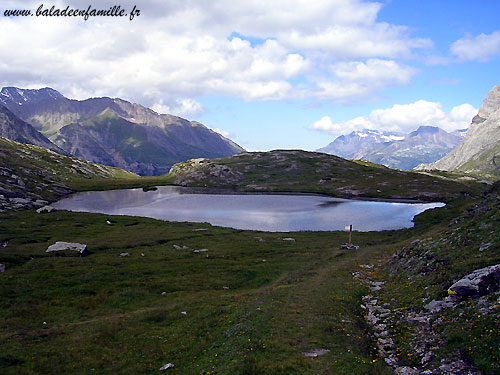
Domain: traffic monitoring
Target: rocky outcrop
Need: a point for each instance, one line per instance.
(479, 283)
(434, 306)
(479, 152)
(31, 176)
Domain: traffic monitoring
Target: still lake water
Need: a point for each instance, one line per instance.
(265, 212)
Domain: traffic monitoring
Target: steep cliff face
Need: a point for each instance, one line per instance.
(116, 132)
(479, 152)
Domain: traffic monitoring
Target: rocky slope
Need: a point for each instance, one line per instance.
(31, 176)
(301, 171)
(115, 132)
(479, 152)
(13, 128)
(434, 306)
(426, 144)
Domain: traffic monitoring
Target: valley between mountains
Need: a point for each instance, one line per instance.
(146, 300)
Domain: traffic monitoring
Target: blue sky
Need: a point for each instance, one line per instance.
(269, 75)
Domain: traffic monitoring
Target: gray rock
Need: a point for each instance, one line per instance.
(316, 353)
(124, 254)
(167, 366)
(407, 371)
(289, 239)
(486, 246)
(177, 247)
(437, 306)
(45, 209)
(71, 246)
(479, 283)
(349, 246)
(40, 203)
(200, 251)
(20, 201)
(2, 268)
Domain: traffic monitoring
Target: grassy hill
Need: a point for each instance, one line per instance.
(301, 171)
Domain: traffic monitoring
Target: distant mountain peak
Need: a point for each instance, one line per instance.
(393, 149)
(21, 96)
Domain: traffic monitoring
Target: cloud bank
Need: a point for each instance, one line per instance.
(403, 118)
(177, 51)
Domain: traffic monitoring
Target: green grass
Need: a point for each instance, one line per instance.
(251, 307)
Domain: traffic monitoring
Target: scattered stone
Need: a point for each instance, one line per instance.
(184, 313)
(260, 239)
(437, 306)
(47, 209)
(349, 246)
(177, 247)
(142, 254)
(200, 251)
(376, 285)
(485, 246)
(164, 293)
(479, 283)
(199, 229)
(167, 366)
(2, 268)
(72, 246)
(407, 371)
(368, 266)
(225, 287)
(289, 239)
(109, 222)
(316, 353)
(124, 254)
(4, 244)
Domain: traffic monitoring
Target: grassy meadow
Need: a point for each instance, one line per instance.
(252, 304)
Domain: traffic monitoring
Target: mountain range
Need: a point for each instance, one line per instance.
(479, 152)
(115, 132)
(395, 150)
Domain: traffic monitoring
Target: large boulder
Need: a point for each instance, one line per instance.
(479, 283)
(71, 246)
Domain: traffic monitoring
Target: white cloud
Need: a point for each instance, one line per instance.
(184, 108)
(336, 49)
(482, 47)
(356, 79)
(403, 118)
(224, 133)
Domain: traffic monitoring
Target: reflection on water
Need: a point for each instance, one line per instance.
(274, 213)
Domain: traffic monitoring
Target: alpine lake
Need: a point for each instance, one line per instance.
(263, 212)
